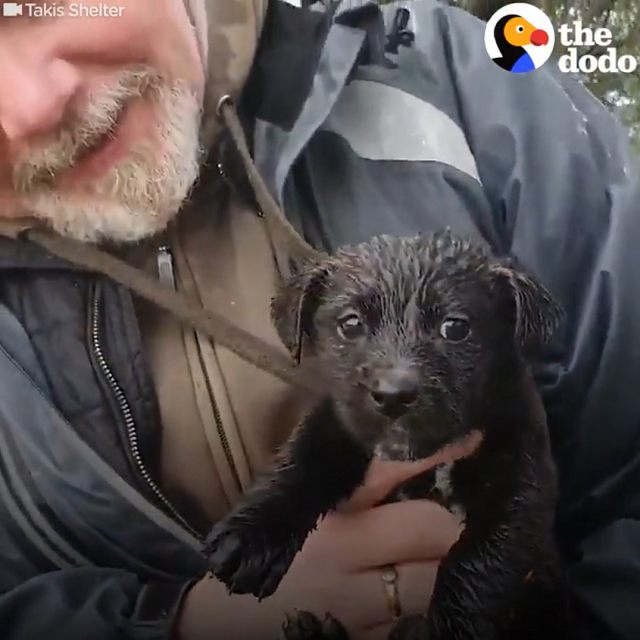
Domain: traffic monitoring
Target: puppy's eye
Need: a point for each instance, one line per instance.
(350, 326)
(455, 329)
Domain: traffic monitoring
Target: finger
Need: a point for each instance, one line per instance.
(416, 581)
(382, 476)
(395, 533)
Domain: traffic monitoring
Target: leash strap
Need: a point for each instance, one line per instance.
(187, 310)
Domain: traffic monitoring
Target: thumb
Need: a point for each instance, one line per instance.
(382, 476)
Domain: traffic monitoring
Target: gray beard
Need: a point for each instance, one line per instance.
(140, 195)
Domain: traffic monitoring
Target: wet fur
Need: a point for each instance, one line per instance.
(502, 579)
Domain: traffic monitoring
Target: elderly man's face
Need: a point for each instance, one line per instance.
(99, 116)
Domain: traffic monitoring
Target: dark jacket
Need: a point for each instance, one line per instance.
(358, 141)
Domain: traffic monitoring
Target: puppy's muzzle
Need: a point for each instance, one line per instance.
(393, 390)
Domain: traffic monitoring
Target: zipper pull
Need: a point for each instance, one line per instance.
(165, 266)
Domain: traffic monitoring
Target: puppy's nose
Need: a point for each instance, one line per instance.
(394, 391)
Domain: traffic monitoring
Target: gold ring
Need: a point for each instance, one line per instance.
(389, 577)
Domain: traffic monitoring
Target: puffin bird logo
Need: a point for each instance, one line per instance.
(519, 43)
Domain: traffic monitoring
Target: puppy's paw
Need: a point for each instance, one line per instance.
(411, 628)
(305, 626)
(245, 559)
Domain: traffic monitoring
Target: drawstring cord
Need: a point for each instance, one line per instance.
(275, 219)
(186, 309)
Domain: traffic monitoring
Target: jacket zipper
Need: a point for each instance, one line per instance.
(166, 274)
(127, 416)
(220, 428)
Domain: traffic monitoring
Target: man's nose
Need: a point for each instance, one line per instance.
(394, 390)
(35, 94)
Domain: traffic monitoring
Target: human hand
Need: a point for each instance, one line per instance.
(338, 569)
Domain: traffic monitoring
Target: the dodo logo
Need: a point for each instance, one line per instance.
(519, 38)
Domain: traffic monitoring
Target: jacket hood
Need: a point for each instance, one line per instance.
(228, 32)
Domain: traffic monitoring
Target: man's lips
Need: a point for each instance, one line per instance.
(99, 143)
(93, 160)
(63, 163)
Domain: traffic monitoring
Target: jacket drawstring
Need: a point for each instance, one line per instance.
(184, 308)
(274, 217)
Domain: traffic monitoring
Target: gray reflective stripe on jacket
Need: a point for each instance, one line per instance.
(386, 126)
(49, 475)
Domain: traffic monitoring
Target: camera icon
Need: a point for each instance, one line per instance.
(11, 9)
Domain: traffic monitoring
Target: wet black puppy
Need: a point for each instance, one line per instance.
(423, 341)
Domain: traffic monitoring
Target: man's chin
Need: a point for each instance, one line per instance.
(90, 219)
(134, 201)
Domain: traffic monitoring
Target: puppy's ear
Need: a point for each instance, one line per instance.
(537, 314)
(294, 305)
